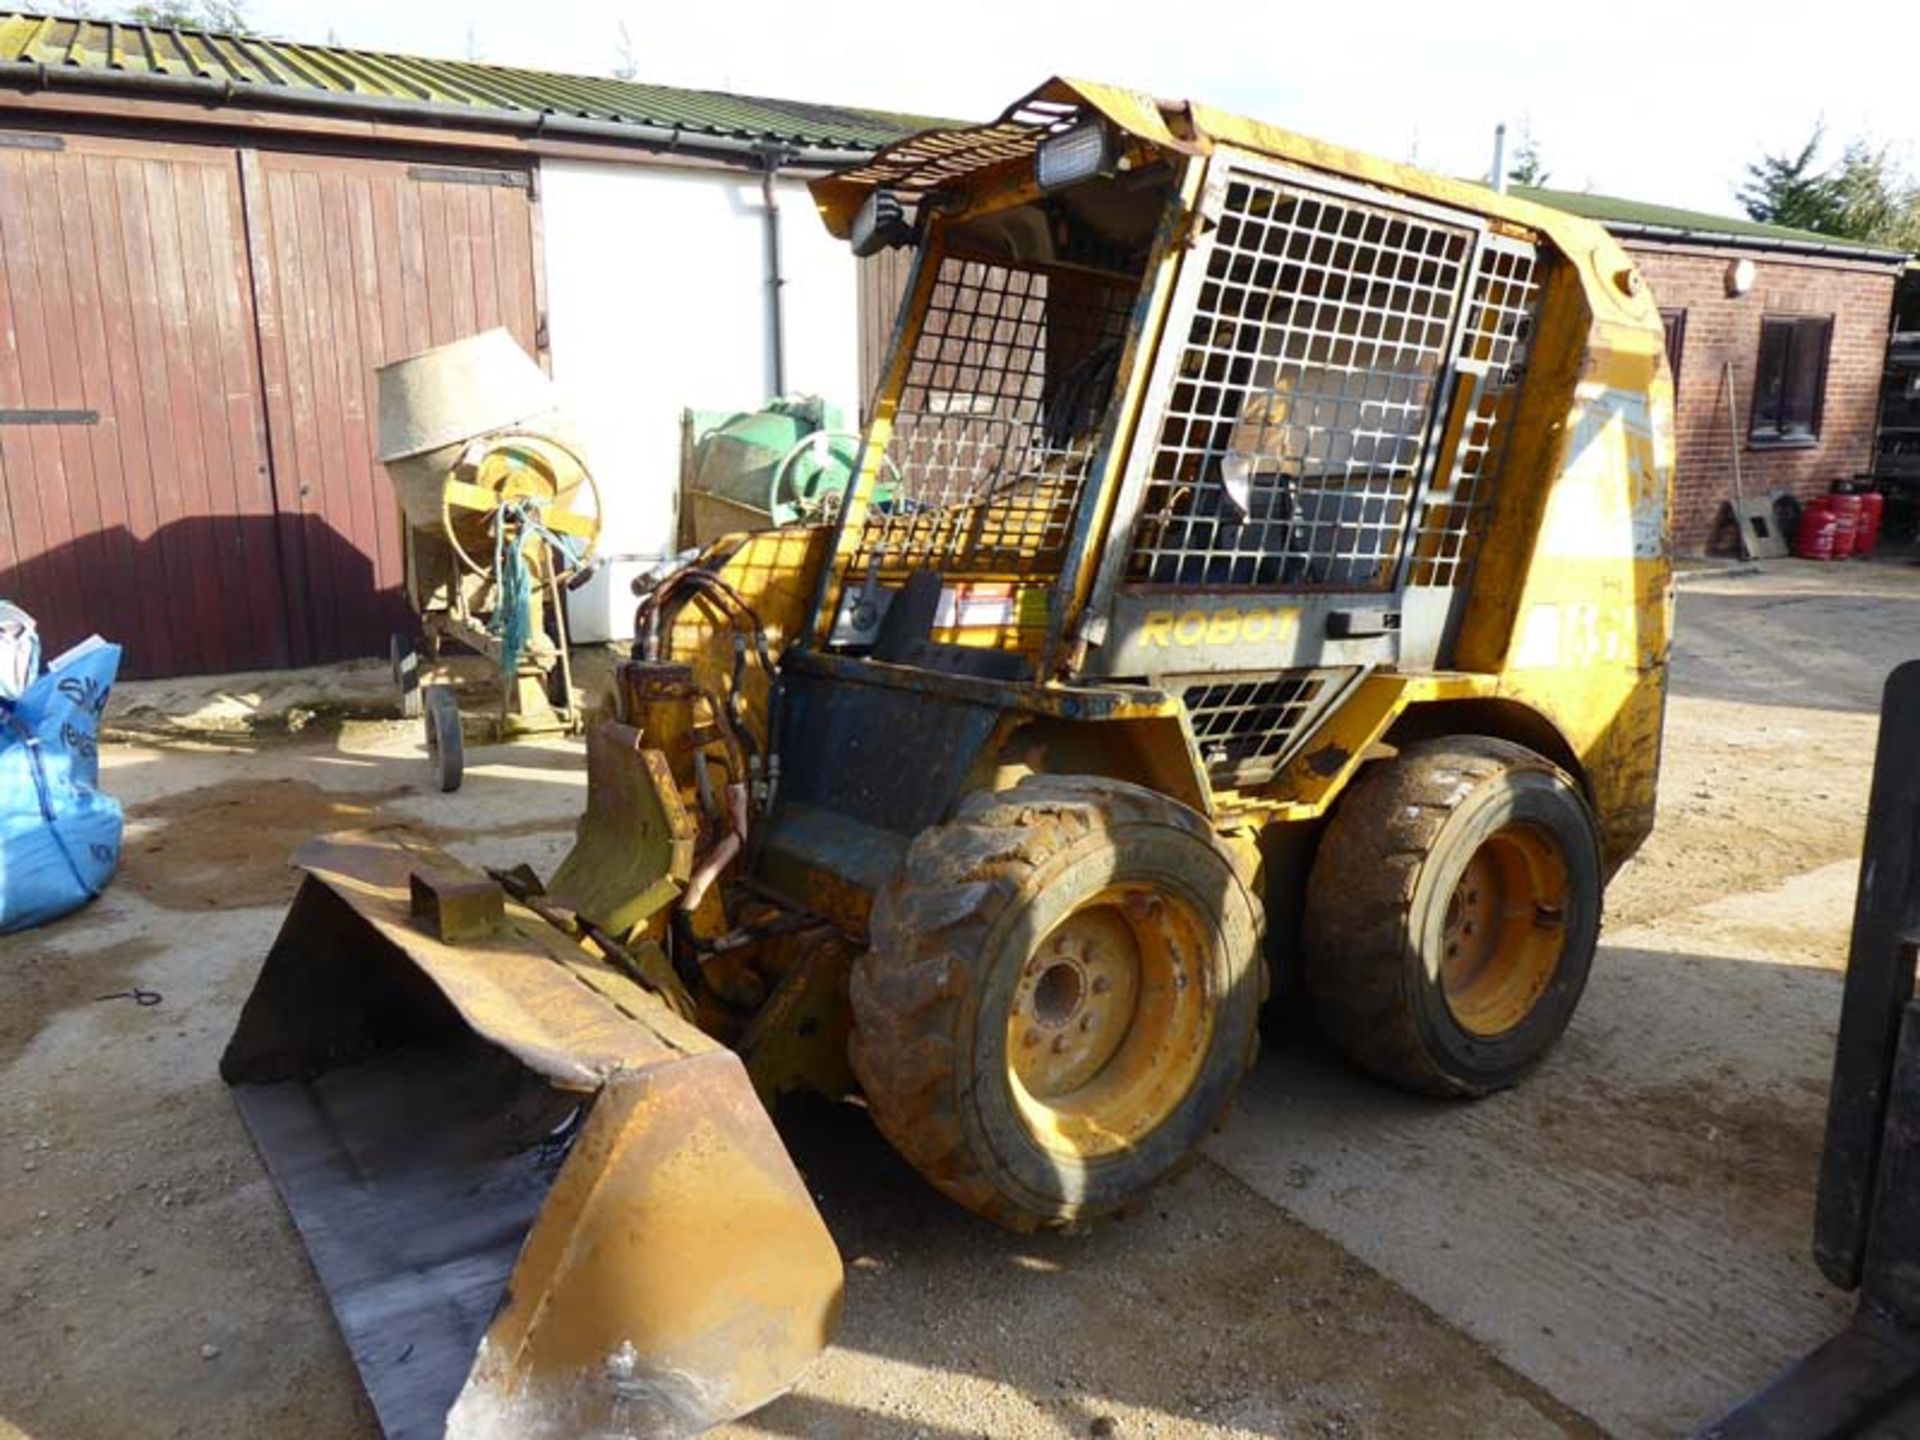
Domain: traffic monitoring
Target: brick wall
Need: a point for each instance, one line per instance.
(1720, 329)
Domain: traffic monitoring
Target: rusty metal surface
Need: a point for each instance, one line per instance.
(519, 988)
(456, 908)
(798, 1038)
(495, 1165)
(678, 1276)
(634, 849)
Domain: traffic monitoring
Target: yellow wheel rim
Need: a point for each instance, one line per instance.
(1505, 930)
(1110, 1021)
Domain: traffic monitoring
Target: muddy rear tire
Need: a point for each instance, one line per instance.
(1452, 914)
(1060, 999)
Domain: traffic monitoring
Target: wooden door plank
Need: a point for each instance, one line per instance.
(189, 520)
(439, 262)
(46, 567)
(366, 271)
(229, 623)
(486, 276)
(411, 221)
(131, 432)
(302, 499)
(176, 560)
(512, 263)
(16, 462)
(244, 418)
(282, 433)
(78, 513)
(351, 477)
(117, 608)
(460, 256)
(328, 537)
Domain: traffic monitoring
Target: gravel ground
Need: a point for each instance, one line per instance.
(1342, 1262)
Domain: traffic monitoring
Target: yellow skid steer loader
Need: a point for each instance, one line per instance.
(1256, 566)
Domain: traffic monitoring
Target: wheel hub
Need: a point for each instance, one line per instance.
(1504, 930)
(1109, 1021)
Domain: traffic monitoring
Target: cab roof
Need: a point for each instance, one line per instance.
(964, 155)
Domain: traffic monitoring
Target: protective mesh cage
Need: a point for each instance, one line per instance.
(1493, 357)
(1295, 428)
(1246, 728)
(994, 434)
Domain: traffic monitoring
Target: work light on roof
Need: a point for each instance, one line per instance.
(880, 224)
(1074, 155)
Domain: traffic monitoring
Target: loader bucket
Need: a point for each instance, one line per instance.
(540, 1203)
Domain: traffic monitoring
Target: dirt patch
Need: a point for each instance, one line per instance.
(227, 846)
(37, 984)
(1748, 798)
(1741, 1151)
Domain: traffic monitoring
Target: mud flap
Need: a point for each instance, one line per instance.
(540, 1203)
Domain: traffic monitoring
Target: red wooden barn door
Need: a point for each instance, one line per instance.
(134, 491)
(357, 262)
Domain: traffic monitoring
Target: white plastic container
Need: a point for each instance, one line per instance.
(602, 609)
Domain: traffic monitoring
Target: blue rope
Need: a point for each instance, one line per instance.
(516, 524)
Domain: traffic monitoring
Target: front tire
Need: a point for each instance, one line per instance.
(1061, 995)
(1452, 914)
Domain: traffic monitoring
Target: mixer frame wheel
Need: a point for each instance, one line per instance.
(446, 745)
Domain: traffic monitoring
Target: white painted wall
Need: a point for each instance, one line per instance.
(657, 300)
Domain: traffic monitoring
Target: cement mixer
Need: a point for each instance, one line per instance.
(500, 512)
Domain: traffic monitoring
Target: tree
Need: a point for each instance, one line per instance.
(1789, 190)
(229, 16)
(1864, 196)
(1878, 202)
(1527, 167)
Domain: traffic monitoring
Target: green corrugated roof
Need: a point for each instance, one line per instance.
(78, 47)
(1625, 215)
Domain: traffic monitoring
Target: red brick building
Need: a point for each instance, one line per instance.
(1802, 319)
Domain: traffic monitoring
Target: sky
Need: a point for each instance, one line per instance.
(1657, 100)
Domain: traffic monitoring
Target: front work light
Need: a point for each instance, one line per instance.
(1074, 155)
(881, 224)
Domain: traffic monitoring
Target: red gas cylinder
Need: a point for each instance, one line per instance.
(1872, 506)
(1818, 524)
(1849, 512)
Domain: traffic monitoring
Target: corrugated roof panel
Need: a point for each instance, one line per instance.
(30, 39)
(1613, 211)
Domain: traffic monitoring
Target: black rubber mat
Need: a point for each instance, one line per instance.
(413, 1178)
